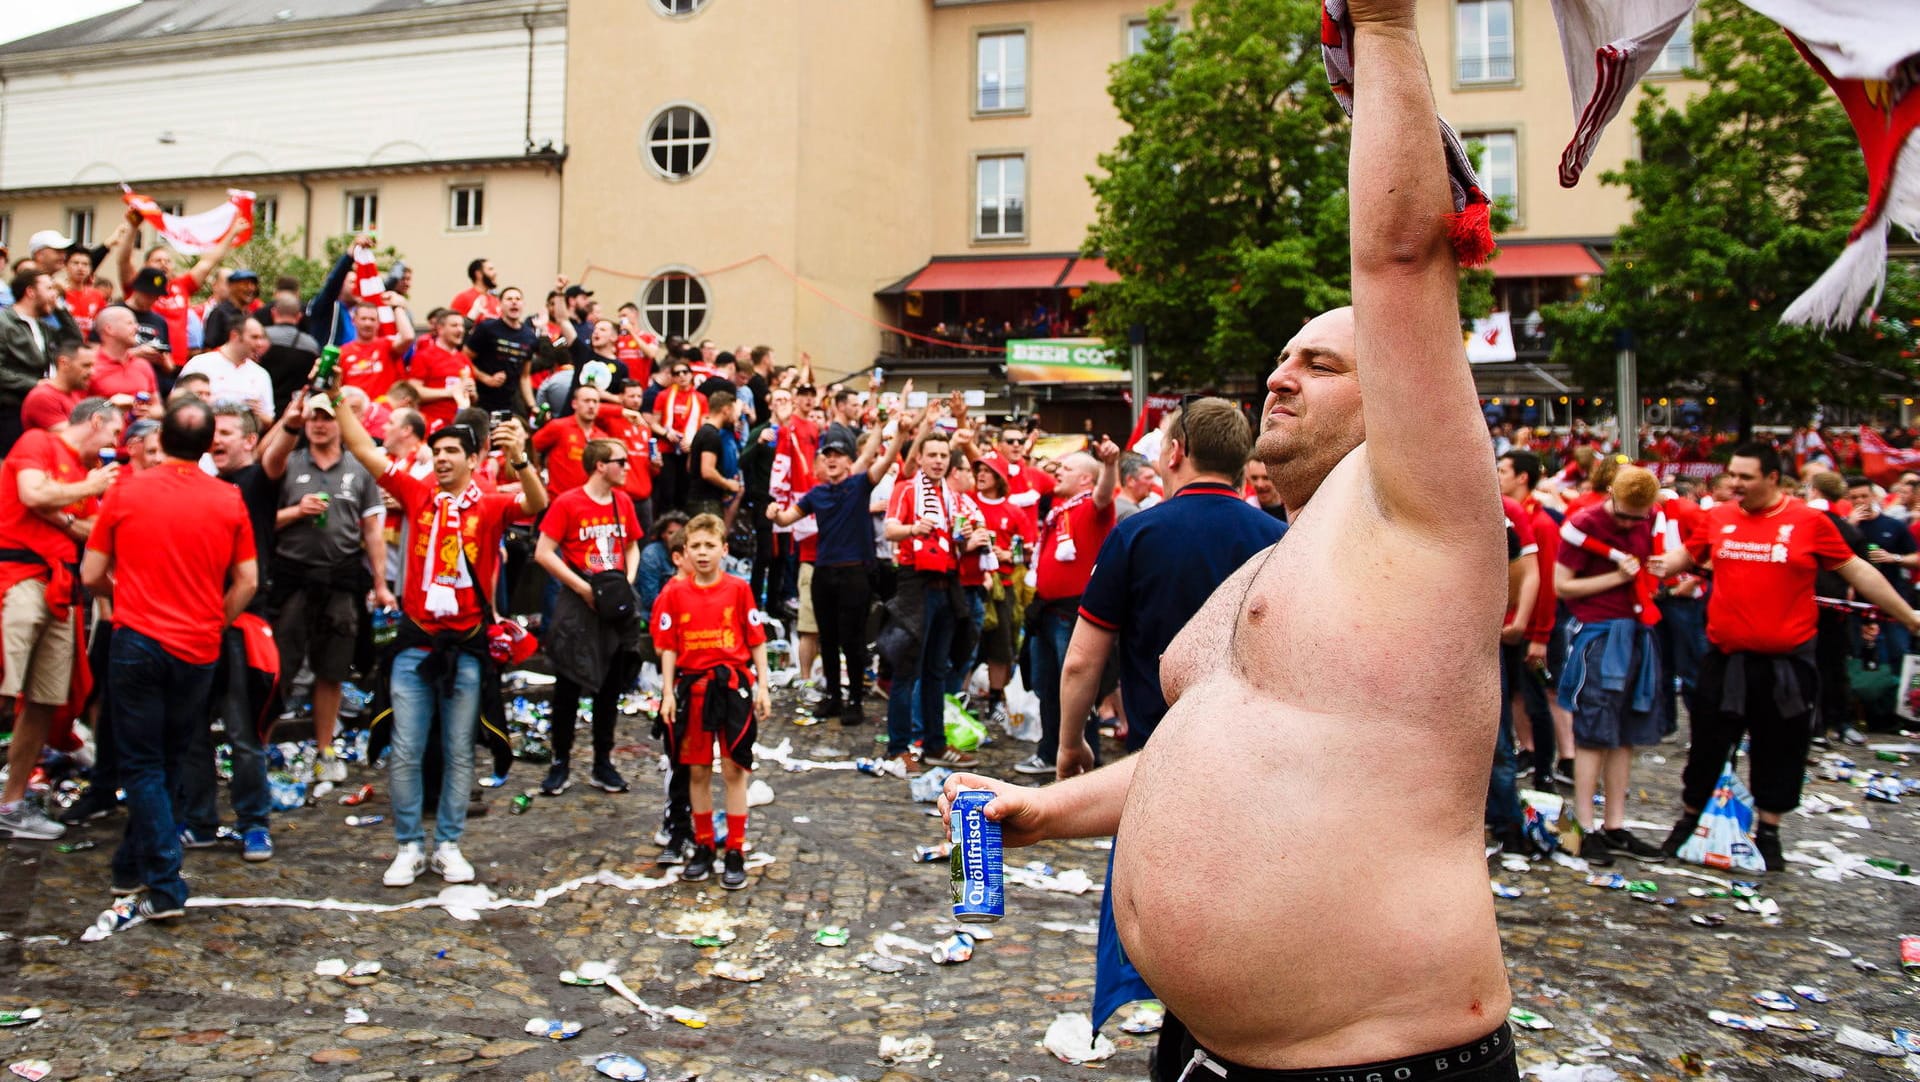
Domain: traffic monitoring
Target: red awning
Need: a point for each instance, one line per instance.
(975, 274)
(1088, 271)
(1544, 261)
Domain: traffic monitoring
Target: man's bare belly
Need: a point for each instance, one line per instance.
(1299, 872)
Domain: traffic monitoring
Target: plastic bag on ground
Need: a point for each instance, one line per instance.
(1023, 710)
(926, 787)
(964, 731)
(1724, 838)
(1071, 1040)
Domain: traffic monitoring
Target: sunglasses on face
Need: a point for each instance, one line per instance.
(621, 462)
(678, 372)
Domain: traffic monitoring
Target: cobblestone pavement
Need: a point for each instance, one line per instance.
(231, 993)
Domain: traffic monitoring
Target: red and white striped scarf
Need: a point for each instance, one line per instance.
(445, 571)
(370, 288)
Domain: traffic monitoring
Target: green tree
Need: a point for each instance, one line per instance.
(1742, 197)
(273, 253)
(1223, 207)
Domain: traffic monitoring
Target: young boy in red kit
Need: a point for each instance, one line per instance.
(705, 626)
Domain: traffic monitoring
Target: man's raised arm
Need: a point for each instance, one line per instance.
(1426, 441)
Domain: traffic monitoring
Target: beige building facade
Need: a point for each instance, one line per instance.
(856, 180)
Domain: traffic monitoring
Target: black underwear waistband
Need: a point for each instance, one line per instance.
(1490, 1054)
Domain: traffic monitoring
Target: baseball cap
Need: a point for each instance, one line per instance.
(838, 441)
(578, 291)
(149, 280)
(243, 276)
(48, 238)
(321, 403)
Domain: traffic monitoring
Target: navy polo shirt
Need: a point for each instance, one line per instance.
(846, 528)
(1155, 571)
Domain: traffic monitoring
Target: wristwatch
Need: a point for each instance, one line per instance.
(520, 465)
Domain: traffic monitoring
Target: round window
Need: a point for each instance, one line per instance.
(678, 141)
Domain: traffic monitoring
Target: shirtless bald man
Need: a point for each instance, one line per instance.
(1332, 705)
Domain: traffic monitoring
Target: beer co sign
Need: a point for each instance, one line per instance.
(1063, 360)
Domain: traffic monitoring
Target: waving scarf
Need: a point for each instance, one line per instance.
(446, 561)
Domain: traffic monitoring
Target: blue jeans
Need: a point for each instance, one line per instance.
(1683, 642)
(977, 612)
(158, 699)
(194, 777)
(923, 682)
(414, 704)
(1053, 630)
(1503, 791)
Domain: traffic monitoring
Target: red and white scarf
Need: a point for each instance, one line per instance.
(1666, 536)
(932, 502)
(791, 478)
(675, 396)
(370, 288)
(1470, 226)
(446, 570)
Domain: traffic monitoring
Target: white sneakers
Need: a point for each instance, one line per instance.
(330, 769)
(411, 860)
(450, 865)
(407, 865)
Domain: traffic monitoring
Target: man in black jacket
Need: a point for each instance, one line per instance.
(28, 332)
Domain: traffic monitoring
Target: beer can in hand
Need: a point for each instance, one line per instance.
(979, 891)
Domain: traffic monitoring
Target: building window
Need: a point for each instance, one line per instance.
(266, 214)
(1001, 80)
(363, 211)
(1500, 168)
(80, 225)
(1678, 55)
(1000, 197)
(678, 141)
(1139, 30)
(1483, 41)
(6, 230)
(172, 206)
(674, 8)
(675, 303)
(466, 206)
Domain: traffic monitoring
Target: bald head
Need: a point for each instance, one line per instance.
(1078, 472)
(1312, 417)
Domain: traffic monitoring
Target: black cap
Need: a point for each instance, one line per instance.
(837, 440)
(149, 280)
(578, 291)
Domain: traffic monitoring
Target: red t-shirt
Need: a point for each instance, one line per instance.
(1025, 484)
(1577, 501)
(626, 350)
(47, 405)
(370, 364)
(707, 626)
(680, 410)
(936, 552)
(1546, 535)
(173, 308)
(593, 537)
(480, 526)
(174, 534)
(20, 525)
(799, 444)
(432, 365)
(1636, 541)
(561, 443)
(638, 440)
(1522, 524)
(463, 303)
(1007, 522)
(1763, 571)
(121, 375)
(85, 302)
(1075, 528)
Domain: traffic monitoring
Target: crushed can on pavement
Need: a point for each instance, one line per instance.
(1146, 1017)
(1710, 920)
(553, 1028)
(932, 854)
(954, 949)
(728, 971)
(1910, 955)
(1908, 1040)
(33, 1070)
(20, 1018)
(1809, 993)
(358, 796)
(687, 1017)
(619, 1065)
(1774, 1001)
(831, 936)
(365, 820)
(1744, 1022)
